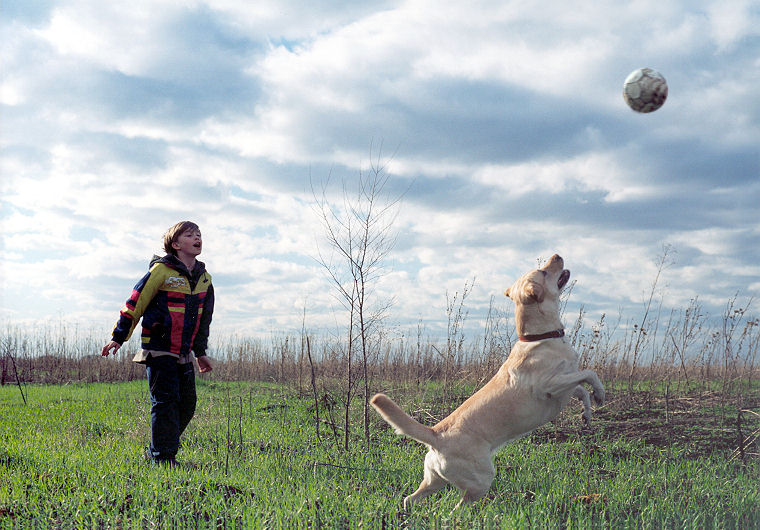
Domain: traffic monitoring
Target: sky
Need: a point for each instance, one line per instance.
(500, 126)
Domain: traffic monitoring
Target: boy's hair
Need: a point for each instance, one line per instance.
(172, 235)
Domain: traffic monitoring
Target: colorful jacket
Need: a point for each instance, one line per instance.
(175, 305)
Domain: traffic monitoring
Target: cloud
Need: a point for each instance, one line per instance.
(731, 23)
(502, 125)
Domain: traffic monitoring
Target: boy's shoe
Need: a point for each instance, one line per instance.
(165, 462)
(162, 462)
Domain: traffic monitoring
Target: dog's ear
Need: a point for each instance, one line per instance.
(535, 291)
(525, 292)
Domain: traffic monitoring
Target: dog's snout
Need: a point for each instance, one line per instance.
(555, 262)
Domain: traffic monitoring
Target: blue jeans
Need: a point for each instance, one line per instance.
(172, 397)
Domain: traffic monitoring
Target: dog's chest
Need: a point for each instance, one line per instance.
(529, 365)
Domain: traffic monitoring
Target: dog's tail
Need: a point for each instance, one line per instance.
(402, 422)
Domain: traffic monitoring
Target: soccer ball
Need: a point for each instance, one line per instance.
(645, 90)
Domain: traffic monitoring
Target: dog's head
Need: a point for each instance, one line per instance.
(539, 286)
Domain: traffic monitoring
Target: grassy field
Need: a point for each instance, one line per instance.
(73, 456)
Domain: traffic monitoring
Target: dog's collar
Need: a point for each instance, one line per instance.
(556, 334)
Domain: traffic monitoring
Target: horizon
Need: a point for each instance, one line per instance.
(502, 125)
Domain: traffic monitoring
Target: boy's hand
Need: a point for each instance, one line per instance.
(204, 365)
(113, 345)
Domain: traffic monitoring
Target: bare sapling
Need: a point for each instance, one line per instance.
(358, 227)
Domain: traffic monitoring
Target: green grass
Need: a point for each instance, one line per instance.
(74, 457)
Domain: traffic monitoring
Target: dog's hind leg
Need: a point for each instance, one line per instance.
(583, 396)
(432, 481)
(474, 475)
(430, 484)
(472, 495)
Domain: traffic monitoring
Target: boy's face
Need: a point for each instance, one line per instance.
(189, 243)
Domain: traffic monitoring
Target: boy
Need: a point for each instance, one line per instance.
(176, 301)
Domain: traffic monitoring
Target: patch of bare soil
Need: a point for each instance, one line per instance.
(700, 424)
